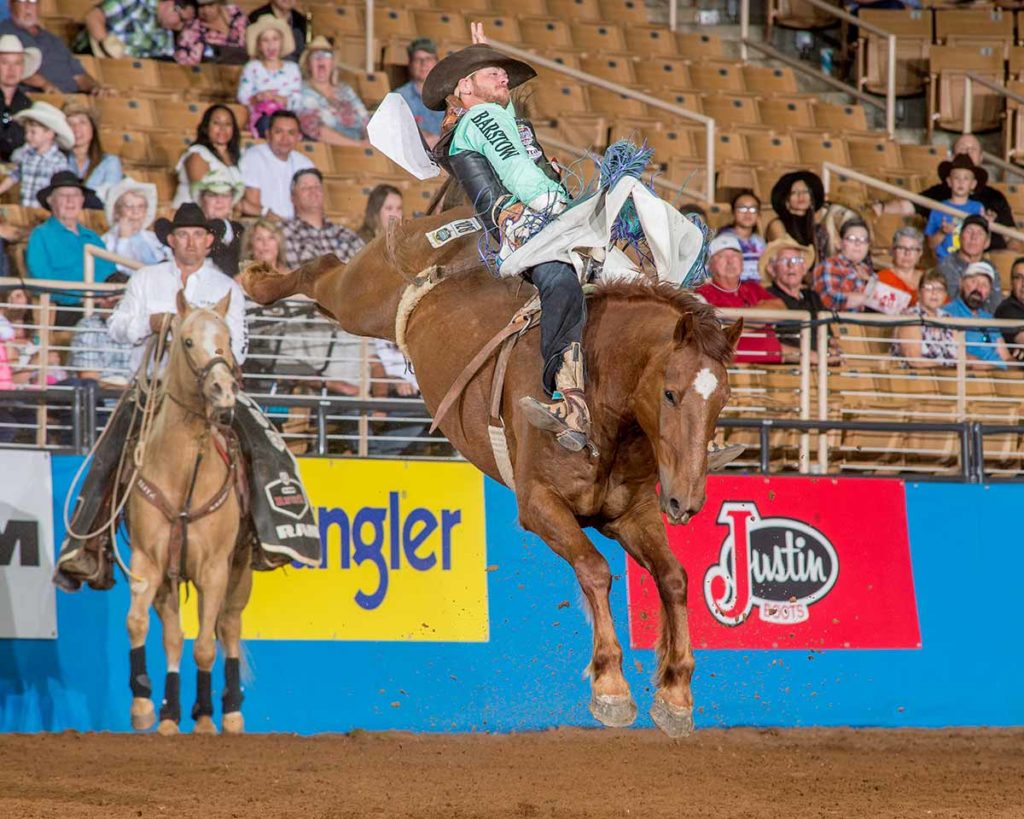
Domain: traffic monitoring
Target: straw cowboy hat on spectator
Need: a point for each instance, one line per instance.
(147, 190)
(316, 45)
(444, 77)
(773, 249)
(268, 22)
(49, 117)
(216, 181)
(10, 44)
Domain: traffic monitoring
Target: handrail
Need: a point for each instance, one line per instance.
(969, 78)
(654, 102)
(828, 168)
(92, 252)
(1003, 165)
(890, 77)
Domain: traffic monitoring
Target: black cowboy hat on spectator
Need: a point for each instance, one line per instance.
(975, 219)
(963, 161)
(188, 215)
(780, 190)
(66, 179)
(444, 77)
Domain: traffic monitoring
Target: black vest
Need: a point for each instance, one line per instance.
(476, 176)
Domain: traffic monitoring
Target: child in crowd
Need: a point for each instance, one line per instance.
(269, 83)
(962, 176)
(47, 136)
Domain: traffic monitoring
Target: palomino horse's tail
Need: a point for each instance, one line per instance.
(265, 285)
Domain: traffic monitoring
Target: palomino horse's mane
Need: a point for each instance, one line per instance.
(708, 335)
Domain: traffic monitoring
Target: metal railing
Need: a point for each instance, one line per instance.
(889, 105)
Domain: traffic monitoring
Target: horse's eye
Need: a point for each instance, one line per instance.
(189, 342)
(670, 397)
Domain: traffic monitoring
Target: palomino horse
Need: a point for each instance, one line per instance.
(184, 519)
(657, 381)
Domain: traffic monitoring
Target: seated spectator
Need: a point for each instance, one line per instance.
(746, 210)
(95, 356)
(217, 196)
(47, 135)
(117, 29)
(897, 285)
(310, 234)
(8, 233)
(330, 110)
(926, 345)
(269, 169)
(130, 210)
(846, 281)
(86, 159)
(422, 58)
(16, 64)
(961, 176)
(268, 82)
(725, 263)
(56, 247)
(1012, 308)
(285, 10)
(263, 241)
(217, 33)
(984, 345)
(384, 205)
(797, 199)
(60, 72)
(785, 264)
(217, 147)
(973, 239)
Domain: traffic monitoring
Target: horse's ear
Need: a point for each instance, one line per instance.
(183, 307)
(221, 307)
(684, 329)
(733, 333)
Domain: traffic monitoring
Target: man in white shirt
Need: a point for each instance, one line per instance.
(268, 169)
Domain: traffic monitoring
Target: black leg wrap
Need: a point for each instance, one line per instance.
(231, 699)
(170, 708)
(139, 679)
(204, 696)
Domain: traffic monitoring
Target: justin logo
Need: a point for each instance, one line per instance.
(780, 565)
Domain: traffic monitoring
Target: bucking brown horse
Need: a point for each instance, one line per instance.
(656, 363)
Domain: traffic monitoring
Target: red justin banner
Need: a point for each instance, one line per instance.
(803, 563)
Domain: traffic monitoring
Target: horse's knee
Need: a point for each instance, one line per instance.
(593, 571)
(137, 623)
(672, 582)
(204, 652)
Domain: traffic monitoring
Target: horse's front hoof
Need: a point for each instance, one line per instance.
(204, 725)
(143, 714)
(168, 728)
(613, 710)
(674, 720)
(233, 723)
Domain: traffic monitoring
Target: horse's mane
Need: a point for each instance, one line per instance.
(708, 335)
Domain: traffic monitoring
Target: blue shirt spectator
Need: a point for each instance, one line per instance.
(422, 58)
(951, 241)
(985, 344)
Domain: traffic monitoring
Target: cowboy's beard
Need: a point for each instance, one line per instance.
(498, 95)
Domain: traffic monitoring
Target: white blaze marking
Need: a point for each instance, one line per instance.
(705, 383)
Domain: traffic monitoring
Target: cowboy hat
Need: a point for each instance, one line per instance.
(444, 77)
(66, 179)
(188, 215)
(774, 247)
(216, 181)
(10, 44)
(147, 190)
(963, 161)
(268, 22)
(317, 44)
(49, 117)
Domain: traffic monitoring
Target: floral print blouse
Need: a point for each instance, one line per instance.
(197, 36)
(345, 113)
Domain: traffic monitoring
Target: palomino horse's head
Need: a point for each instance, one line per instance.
(202, 341)
(692, 391)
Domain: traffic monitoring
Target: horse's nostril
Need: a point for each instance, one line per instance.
(673, 507)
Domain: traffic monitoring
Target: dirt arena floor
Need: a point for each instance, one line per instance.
(566, 773)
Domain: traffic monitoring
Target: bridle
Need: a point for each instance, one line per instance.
(201, 374)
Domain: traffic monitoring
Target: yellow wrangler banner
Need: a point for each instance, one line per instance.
(404, 558)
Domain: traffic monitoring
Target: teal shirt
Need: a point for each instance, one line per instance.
(492, 131)
(54, 252)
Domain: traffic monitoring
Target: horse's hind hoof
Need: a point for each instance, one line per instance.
(675, 721)
(204, 725)
(143, 714)
(614, 711)
(168, 728)
(233, 723)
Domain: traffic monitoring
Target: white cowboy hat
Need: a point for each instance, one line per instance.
(216, 181)
(147, 190)
(49, 117)
(268, 22)
(10, 44)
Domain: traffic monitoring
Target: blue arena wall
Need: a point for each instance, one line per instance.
(967, 562)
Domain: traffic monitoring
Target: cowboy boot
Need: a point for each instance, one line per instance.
(567, 415)
(719, 456)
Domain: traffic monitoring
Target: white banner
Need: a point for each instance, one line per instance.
(28, 599)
